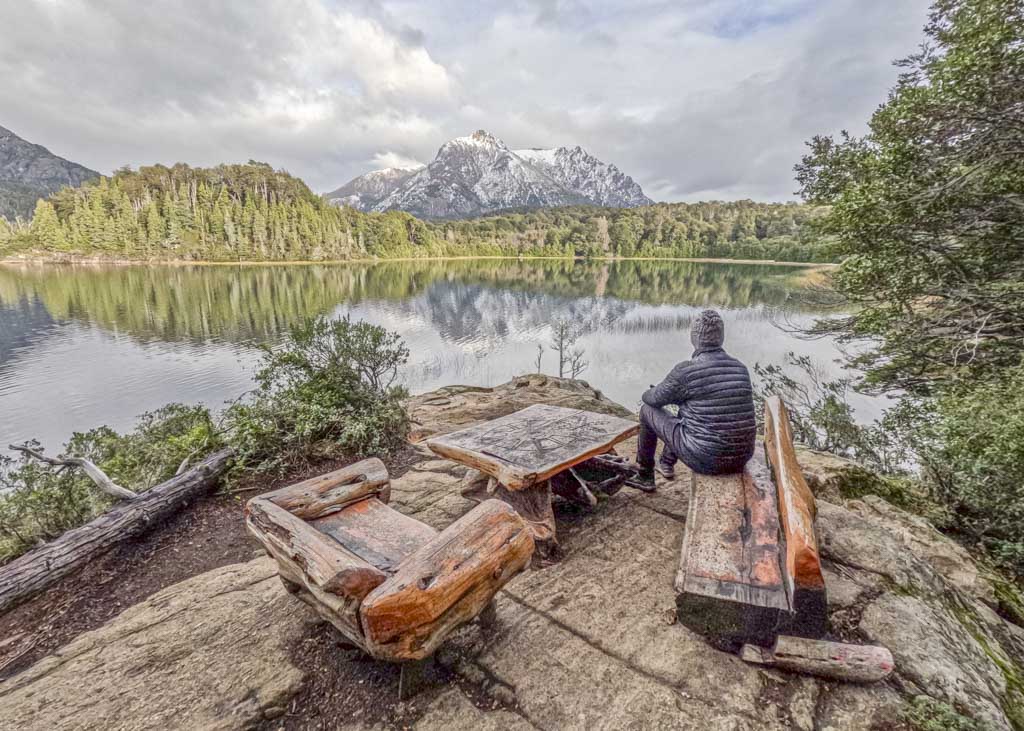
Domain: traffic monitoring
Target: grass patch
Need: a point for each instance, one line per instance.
(855, 482)
(924, 713)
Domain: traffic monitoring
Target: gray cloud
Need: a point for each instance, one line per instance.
(694, 98)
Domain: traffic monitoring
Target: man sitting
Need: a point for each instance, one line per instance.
(715, 429)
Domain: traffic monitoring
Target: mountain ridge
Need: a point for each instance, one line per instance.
(29, 171)
(479, 174)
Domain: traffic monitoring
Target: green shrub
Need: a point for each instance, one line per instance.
(328, 391)
(975, 458)
(154, 450)
(39, 502)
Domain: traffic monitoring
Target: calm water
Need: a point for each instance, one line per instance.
(83, 346)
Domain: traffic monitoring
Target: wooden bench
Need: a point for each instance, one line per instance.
(750, 567)
(393, 586)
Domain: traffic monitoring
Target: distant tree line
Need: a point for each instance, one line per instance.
(252, 212)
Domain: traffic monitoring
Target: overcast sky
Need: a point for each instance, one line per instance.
(696, 99)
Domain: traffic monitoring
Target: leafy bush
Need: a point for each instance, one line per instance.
(974, 456)
(39, 502)
(154, 450)
(330, 390)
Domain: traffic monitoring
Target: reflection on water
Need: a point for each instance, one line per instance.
(81, 346)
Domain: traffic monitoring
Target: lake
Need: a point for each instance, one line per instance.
(85, 345)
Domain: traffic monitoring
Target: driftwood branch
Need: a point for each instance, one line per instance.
(42, 566)
(98, 476)
(850, 663)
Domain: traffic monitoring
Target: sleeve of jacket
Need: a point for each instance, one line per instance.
(672, 390)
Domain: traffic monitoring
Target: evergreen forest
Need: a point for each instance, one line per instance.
(252, 212)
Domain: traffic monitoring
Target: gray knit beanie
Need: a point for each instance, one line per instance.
(708, 331)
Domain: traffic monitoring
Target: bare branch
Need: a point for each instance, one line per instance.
(98, 476)
(576, 363)
(184, 464)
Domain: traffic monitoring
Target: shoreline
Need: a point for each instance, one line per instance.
(99, 262)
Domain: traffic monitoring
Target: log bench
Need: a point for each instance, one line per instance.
(393, 586)
(749, 567)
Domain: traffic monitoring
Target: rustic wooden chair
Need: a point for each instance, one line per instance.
(393, 586)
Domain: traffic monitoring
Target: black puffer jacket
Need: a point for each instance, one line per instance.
(717, 426)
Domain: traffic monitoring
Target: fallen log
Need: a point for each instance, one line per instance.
(42, 566)
(851, 663)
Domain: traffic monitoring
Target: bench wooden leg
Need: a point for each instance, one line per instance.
(489, 616)
(414, 676)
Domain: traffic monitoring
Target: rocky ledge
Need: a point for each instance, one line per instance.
(590, 642)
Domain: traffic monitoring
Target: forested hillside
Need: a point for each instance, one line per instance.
(253, 213)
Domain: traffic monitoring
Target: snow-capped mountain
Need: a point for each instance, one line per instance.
(368, 190)
(597, 181)
(479, 174)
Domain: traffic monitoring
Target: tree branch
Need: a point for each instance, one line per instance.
(98, 476)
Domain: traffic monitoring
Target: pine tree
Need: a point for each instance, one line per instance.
(46, 228)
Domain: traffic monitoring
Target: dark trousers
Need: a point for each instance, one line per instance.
(656, 424)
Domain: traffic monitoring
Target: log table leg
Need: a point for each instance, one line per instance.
(605, 474)
(532, 503)
(570, 486)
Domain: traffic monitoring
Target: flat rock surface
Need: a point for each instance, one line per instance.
(209, 652)
(589, 642)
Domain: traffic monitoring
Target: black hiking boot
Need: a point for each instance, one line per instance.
(644, 480)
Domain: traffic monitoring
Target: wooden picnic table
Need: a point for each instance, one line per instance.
(541, 449)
